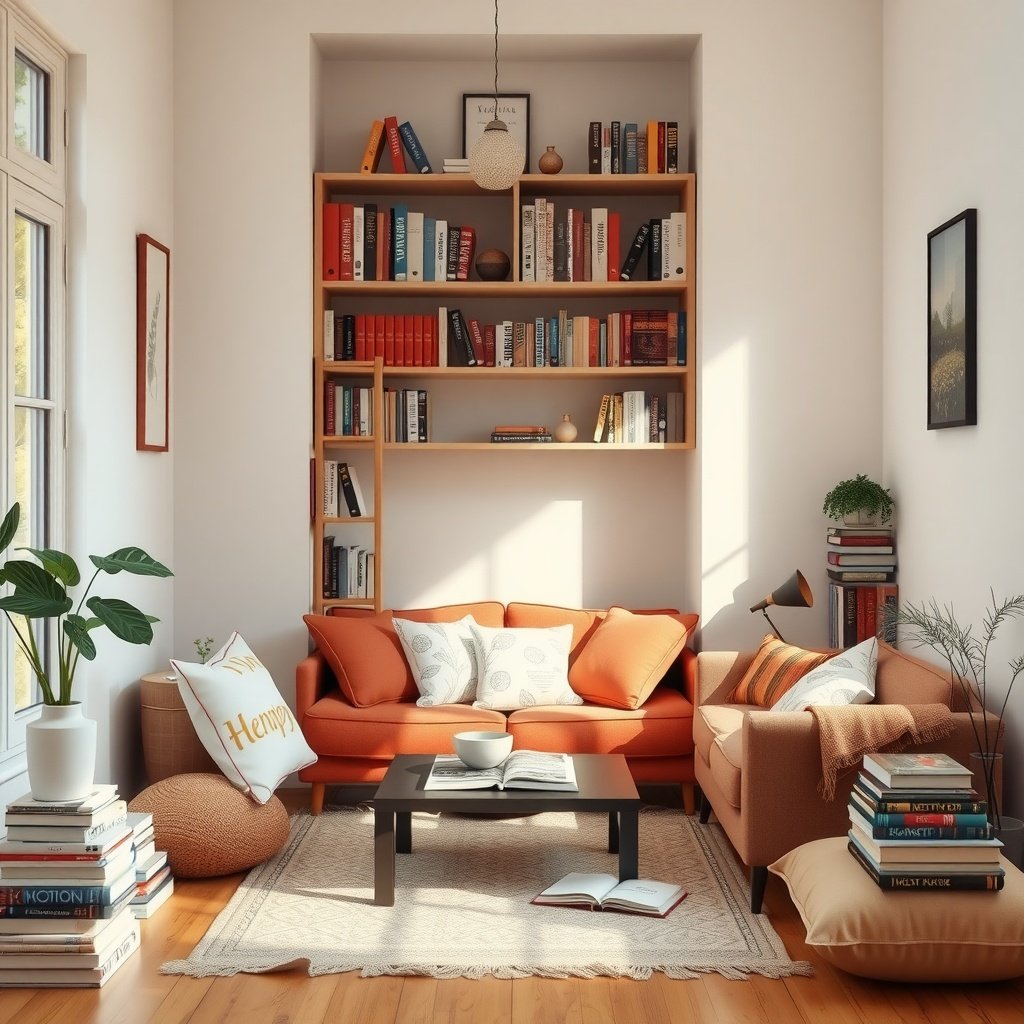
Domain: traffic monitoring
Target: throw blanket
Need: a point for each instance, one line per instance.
(848, 733)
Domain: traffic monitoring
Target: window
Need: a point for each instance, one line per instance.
(32, 333)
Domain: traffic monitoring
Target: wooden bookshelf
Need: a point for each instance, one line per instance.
(638, 196)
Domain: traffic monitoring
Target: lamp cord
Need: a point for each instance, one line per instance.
(495, 118)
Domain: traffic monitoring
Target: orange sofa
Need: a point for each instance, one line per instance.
(355, 744)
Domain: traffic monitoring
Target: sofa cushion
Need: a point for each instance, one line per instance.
(364, 651)
(442, 658)
(714, 721)
(626, 657)
(663, 727)
(335, 728)
(903, 936)
(776, 667)
(726, 763)
(848, 678)
(522, 667)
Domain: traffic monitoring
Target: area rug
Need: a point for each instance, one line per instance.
(462, 904)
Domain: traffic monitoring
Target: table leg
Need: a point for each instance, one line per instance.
(613, 831)
(383, 858)
(403, 831)
(629, 844)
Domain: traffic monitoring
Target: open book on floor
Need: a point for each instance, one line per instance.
(522, 769)
(606, 892)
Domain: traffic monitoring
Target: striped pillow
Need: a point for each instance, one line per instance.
(776, 667)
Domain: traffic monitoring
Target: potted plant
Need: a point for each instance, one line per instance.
(859, 502)
(966, 656)
(61, 744)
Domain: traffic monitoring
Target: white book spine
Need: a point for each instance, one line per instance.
(366, 411)
(329, 334)
(508, 342)
(371, 565)
(599, 244)
(412, 416)
(540, 241)
(570, 246)
(358, 234)
(529, 216)
(676, 245)
(360, 500)
(441, 254)
(666, 258)
(606, 149)
(442, 334)
(414, 240)
(330, 488)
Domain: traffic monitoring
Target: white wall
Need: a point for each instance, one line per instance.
(789, 223)
(952, 140)
(120, 184)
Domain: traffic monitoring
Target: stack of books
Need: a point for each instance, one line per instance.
(524, 433)
(154, 882)
(861, 567)
(67, 878)
(917, 823)
(456, 165)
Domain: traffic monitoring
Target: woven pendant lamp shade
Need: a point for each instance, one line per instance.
(496, 159)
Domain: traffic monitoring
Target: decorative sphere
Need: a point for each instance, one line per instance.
(566, 430)
(492, 265)
(550, 162)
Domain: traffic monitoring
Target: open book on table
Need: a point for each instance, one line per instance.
(522, 769)
(606, 892)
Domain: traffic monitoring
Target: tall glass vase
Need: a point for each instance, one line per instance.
(1010, 831)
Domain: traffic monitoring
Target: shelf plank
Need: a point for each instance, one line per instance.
(533, 446)
(445, 290)
(348, 439)
(546, 373)
(351, 520)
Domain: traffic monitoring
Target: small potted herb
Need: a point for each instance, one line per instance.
(859, 502)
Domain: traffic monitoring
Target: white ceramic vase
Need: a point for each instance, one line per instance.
(61, 749)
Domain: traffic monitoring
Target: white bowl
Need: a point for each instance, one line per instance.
(482, 749)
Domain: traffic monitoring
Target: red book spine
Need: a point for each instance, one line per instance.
(362, 322)
(435, 358)
(661, 147)
(490, 352)
(331, 240)
(346, 267)
(577, 247)
(390, 350)
(409, 336)
(594, 341)
(870, 612)
(861, 612)
(477, 338)
(614, 259)
(378, 338)
(467, 246)
(417, 339)
(627, 338)
(865, 541)
(394, 145)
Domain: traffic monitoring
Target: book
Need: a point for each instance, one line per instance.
(65, 893)
(348, 491)
(394, 143)
(331, 240)
(636, 250)
(108, 814)
(13, 851)
(155, 900)
(75, 872)
(917, 771)
(606, 892)
(499, 438)
(928, 880)
(861, 575)
(876, 561)
(952, 854)
(55, 955)
(414, 148)
(594, 148)
(72, 977)
(374, 148)
(97, 798)
(882, 799)
(880, 545)
(522, 769)
(83, 911)
(878, 828)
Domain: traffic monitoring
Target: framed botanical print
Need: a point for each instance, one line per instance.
(152, 331)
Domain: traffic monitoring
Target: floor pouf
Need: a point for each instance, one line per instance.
(209, 828)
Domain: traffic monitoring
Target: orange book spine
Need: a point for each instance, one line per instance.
(390, 348)
(594, 347)
(378, 337)
(409, 340)
(374, 148)
(417, 339)
(614, 259)
(652, 147)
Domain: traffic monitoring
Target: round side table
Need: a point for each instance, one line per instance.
(170, 745)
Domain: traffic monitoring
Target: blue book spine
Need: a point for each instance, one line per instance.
(429, 245)
(681, 349)
(602, 343)
(401, 237)
(553, 341)
(413, 148)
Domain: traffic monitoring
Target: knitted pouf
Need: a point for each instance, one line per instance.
(210, 828)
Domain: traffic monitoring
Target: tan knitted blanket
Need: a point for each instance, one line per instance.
(848, 733)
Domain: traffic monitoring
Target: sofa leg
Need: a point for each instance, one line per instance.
(705, 808)
(758, 880)
(316, 797)
(689, 798)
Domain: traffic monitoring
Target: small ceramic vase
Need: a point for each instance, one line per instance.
(550, 162)
(566, 430)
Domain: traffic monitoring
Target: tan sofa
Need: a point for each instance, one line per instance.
(759, 770)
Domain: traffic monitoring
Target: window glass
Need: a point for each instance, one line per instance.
(30, 319)
(31, 85)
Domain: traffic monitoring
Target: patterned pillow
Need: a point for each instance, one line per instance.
(520, 668)
(775, 668)
(442, 658)
(847, 678)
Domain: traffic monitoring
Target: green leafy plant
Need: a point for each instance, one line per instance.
(203, 646)
(860, 493)
(41, 592)
(966, 655)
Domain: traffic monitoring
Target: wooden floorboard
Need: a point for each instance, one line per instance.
(139, 994)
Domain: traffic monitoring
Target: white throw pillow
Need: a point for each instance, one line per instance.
(242, 720)
(848, 678)
(520, 668)
(442, 658)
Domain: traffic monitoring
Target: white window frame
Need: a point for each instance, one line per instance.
(34, 188)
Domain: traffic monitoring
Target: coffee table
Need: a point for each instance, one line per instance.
(604, 781)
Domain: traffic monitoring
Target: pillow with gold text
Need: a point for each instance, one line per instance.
(242, 719)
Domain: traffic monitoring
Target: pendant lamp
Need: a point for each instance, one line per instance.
(496, 159)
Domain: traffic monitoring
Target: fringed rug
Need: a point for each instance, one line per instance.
(462, 904)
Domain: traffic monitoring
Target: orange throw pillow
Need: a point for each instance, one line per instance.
(366, 657)
(776, 668)
(626, 658)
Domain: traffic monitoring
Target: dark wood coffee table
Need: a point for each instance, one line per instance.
(604, 785)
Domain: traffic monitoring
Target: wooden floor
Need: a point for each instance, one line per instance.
(139, 993)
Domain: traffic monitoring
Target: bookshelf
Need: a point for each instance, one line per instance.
(467, 401)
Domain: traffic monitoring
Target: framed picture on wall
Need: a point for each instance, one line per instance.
(952, 322)
(478, 112)
(152, 340)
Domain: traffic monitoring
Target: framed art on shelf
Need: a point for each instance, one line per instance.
(478, 112)
(952, 322)
(152, 339)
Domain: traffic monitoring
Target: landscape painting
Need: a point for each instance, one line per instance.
(952, 322)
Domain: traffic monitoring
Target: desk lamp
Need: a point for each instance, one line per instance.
(794, 593)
